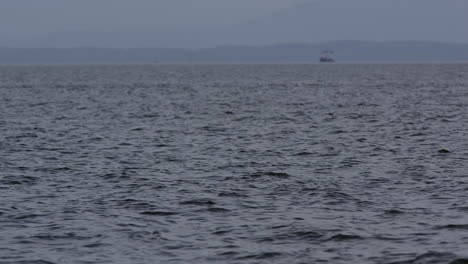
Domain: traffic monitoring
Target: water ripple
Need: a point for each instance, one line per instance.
(234, 164)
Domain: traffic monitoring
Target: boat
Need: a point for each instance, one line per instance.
(327, 56)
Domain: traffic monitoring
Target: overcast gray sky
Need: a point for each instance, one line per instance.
(207, 23)
(36, 17)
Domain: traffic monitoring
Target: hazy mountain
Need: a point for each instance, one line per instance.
(346, 51)
(135, 39)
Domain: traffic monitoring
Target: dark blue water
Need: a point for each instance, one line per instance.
(234, 164)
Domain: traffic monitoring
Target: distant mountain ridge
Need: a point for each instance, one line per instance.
(346, 51)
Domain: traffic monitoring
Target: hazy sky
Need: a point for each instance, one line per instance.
(36, 17)
(207, 23)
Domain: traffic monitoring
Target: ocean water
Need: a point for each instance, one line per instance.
(234, 164)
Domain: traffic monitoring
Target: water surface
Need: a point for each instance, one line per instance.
(234, 164)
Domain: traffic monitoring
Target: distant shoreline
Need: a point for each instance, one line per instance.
(226, 64)
(293, 53)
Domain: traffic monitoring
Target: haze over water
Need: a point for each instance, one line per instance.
(234, 164)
